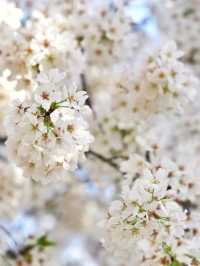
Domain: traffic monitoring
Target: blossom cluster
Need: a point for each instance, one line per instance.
(147, 226)
(110, 37)
(162, 84)
(41, 45)
(165, 82)
(53, 123)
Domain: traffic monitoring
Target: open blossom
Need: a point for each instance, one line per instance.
(165, 83)
(53, 123)
(146, 226)
(51, 46)
(41, 44)
(183, 185)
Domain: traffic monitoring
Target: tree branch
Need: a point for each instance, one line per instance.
(106, 160)
(3, 140)
(8, 234)
(85, 88)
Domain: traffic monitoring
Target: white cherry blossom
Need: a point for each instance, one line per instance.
(55, 133)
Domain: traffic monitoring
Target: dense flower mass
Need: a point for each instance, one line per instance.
(161, 84)
(53, 123)
(99, 102)
(110, 37)
(147, 226)
(165, 82)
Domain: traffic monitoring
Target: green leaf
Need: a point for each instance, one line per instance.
(54, 106)
(43, 241)
(48, 123)
(176, 263)
(41, 110)
(168, 249)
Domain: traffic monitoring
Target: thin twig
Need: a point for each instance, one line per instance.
(8, 234)
(148, 156)
(106, 160)
(85, 88)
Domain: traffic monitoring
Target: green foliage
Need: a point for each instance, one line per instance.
(168, 250)
(43, 241)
